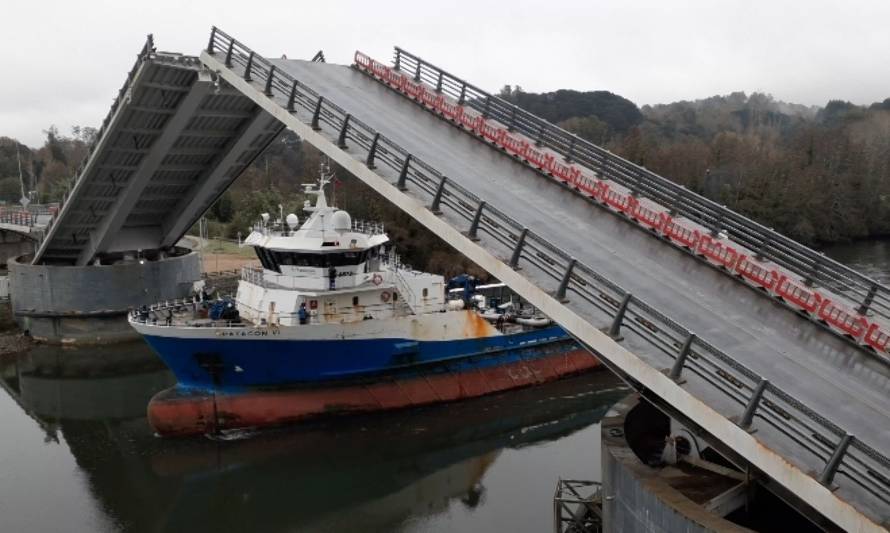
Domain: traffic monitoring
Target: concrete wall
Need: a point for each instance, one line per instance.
(89, 303)
(635, 499)
(14, 244)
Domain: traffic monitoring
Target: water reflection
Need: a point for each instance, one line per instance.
(440, 468)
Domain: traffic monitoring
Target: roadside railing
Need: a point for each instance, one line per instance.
(841, 454)
(808, 263)
(17, 218)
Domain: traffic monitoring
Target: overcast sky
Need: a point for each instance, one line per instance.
(63, 61)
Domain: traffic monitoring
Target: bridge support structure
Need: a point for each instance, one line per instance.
(89, 304)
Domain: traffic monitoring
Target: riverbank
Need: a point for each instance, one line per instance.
(12, 340)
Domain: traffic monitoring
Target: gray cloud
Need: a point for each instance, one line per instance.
(63, 62)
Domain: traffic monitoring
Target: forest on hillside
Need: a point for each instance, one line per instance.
(817, 174)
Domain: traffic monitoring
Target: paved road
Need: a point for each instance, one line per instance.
(843, 382)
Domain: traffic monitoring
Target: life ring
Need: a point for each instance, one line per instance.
(377, 279)
(384, 296)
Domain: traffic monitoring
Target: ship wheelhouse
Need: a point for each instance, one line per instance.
(332, 268)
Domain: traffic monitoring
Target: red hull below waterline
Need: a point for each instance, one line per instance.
(173, 412)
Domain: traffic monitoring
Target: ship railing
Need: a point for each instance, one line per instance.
(258, 276)
(154, 314)
(321, 316)
(368, 227)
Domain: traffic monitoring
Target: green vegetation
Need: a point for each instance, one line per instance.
(819, 175)
(44, 169)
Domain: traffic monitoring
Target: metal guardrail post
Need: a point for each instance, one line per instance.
(615, 328)
(517, 250)
(763, 249)
(512, 125)
(718, 223)
(487, 108)
(249, 67)
(437, 199)
(680, 362)
(417, 72)
(869, 298)
(403, 174)
(813, 275)
(372, 153)
(676, 205)
(753, 402)
(317, 114)
(211, 44)
(539, 138)
(293, 97)
(571, 151)
(397, 64)
(229, 53)
(341, 139)
(269, 78)
(635, 188)
(439, 83)
(463, 94)
(564, 283)
(834, 462)
(474, 226)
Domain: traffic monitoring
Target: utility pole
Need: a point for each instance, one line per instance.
(18, 157)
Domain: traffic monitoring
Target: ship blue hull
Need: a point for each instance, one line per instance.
(232, 365)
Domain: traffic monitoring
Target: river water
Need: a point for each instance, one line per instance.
(76, 454)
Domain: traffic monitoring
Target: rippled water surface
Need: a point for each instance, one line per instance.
(76, 454)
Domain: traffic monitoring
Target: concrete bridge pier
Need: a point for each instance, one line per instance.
(89, 304)
(660, 476)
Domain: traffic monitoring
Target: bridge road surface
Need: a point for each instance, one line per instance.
(836, 379)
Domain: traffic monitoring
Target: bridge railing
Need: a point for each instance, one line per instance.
(839, 453)
(774, 246)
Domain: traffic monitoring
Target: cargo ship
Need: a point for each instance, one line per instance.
(333, 323)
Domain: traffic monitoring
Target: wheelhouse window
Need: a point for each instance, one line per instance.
(267, 259)
(319, 260)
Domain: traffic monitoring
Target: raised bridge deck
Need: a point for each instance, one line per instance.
(349, 115)
(811, 363)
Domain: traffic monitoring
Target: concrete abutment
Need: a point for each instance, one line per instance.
(89, 304)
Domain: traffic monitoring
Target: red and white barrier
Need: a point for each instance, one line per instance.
(720, 252)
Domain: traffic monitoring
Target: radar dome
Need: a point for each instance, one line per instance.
(341, 221)
(292, 221)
